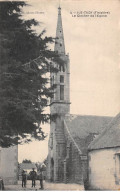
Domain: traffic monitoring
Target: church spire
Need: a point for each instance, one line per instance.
(59, 43)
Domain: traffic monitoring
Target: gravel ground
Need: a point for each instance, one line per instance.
(47, 187)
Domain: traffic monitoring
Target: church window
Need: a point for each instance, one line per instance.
(60, 68)
(60, 31)
(51, 141)
(53, 79)
(60, 44)
(53, 95)
(63, 68)
(68, 151)
(61, 92)
(61, 79)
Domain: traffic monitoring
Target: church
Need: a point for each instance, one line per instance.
(70, 135)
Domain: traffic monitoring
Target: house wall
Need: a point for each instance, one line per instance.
(9, 164)
(104, 169)
(29, 170)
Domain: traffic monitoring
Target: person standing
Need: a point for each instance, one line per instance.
(24, 177)
(41, 180)
(33, 177)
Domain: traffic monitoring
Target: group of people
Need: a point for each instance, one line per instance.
(33, 176)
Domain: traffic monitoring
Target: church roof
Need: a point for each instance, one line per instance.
(84, 128)
(110, 137)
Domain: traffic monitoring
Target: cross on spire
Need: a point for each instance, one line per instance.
(59, 3)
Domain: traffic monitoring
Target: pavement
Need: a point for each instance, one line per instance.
(47, 187)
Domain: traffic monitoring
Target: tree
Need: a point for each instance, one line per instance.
(45, 161)
(25, 59)
(26, 161)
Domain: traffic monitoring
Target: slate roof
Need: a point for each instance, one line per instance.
(84, 128)
(27, 165)
(110, 137)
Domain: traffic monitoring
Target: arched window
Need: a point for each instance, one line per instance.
(62, 68)
(61, 78)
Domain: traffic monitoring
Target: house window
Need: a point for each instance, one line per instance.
(61, 92)
(117, 168)
(119, 163)
(61, 79)
(0, 158)
(60, 44)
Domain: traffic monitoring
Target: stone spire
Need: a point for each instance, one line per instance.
(59, 43)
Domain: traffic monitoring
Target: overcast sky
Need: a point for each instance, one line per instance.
(93, 44)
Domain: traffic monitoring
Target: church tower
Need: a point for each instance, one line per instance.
(60, 106)
(60, 103)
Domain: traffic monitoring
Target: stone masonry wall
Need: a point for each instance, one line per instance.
(73, 160)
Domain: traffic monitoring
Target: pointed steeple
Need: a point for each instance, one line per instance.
(59, 43)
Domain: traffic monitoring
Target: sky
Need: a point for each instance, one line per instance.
(94, 51)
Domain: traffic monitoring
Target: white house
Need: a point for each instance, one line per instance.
(104, 158)
(9, 165)
(28, 167)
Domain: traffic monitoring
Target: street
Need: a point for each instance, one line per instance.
(47, 187)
